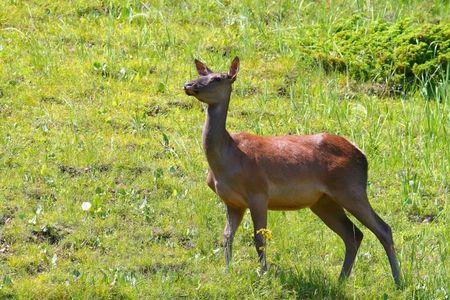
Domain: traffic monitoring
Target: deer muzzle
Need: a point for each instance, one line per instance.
(189, 88)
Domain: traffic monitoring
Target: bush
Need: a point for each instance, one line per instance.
(398, 54)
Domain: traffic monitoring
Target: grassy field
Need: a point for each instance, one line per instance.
(92, 110)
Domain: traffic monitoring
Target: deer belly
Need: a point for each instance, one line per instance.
(293, 195)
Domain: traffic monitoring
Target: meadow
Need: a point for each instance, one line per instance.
(92, 110)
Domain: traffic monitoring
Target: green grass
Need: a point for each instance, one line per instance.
(91, 109)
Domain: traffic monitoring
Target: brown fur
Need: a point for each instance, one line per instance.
(324, 172)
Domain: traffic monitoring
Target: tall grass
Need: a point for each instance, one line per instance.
(91, 110)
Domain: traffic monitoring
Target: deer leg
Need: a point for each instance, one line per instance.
(234, 218)
(358, 205)
(258, 210)
(335, 218)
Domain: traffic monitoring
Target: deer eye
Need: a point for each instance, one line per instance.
(216, 79)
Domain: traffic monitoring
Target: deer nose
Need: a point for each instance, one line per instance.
(188, 85)
(189, 88)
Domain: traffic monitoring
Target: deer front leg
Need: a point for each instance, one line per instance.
(234, 218)
(258, 210)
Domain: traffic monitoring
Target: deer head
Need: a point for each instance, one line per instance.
(211, 87)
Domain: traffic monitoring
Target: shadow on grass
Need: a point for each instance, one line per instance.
(310, 284)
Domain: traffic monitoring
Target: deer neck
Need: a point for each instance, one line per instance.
(217, 142)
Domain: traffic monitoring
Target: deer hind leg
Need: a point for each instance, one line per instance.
(358, 205)
(234, 218)
(335, 218)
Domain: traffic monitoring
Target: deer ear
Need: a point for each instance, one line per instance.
(234, 68)
(202, 69)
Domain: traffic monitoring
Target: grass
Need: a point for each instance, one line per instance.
(92, 110)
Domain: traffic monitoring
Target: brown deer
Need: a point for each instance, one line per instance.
(324, 172)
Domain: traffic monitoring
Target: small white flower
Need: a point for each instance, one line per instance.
(86, 206)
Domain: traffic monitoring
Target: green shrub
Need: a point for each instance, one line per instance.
(398, 54)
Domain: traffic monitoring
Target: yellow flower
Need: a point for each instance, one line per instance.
(266, 233)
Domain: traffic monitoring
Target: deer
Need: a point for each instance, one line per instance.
(323, 172)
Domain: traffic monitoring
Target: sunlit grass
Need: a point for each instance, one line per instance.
(92, 110)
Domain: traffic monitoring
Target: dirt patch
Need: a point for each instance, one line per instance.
(153, 110)
(246, 91)
(186, 242)
(282, 91)
(423, 219)
(34, 268)
(78, 171)
(51, 99)
(289, 79)
(4, 246)
(7, 215)
(136, 170)
(52, 234)
(181, 104)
